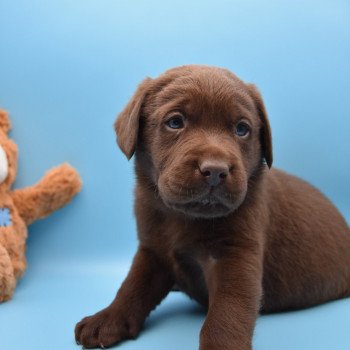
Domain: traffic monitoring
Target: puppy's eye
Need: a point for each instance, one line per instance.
(242, 129)
(176, 122)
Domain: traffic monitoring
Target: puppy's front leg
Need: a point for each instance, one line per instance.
(234, 285)
(147, 283)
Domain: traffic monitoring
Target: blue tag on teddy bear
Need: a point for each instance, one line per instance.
(5, 217)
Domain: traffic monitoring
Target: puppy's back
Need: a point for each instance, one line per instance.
(307, 259)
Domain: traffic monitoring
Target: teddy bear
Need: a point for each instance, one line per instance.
(21, 207)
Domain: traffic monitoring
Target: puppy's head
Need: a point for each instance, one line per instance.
(199, 134)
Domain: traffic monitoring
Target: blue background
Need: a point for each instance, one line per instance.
(68, 67)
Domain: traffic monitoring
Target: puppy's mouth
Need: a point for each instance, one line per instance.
(197, 198)
(208, 205)
(205, 208)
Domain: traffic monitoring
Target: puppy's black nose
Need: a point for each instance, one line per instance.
(214, 171)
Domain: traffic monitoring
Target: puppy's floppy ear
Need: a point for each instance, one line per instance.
(127, 123)
(265, 133)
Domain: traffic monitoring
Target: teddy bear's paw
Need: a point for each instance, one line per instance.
(63, 178)
(7, 287)
(59, 186)
(7, 278)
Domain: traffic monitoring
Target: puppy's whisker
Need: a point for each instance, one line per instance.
(180, 190)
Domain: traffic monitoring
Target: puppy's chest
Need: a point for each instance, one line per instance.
(191, 250)
(193, 266)
(189, 268)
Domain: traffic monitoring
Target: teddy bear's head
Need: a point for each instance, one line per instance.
(8, 154)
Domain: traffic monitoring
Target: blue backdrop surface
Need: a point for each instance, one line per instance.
(67, 68)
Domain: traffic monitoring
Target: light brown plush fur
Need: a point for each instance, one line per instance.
(26, 205)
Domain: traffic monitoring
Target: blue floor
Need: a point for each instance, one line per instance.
(53, 297)
(68, 67)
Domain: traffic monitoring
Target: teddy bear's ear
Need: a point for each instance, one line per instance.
(5, 124)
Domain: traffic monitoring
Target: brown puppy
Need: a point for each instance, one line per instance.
(213, 219)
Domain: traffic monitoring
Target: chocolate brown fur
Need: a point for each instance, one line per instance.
(259, 241)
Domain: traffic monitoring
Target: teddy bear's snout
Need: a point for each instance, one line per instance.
(4, 166)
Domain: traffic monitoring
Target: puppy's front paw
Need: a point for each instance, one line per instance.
(104, 329)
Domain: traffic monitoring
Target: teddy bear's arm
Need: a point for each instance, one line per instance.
(52, 192)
